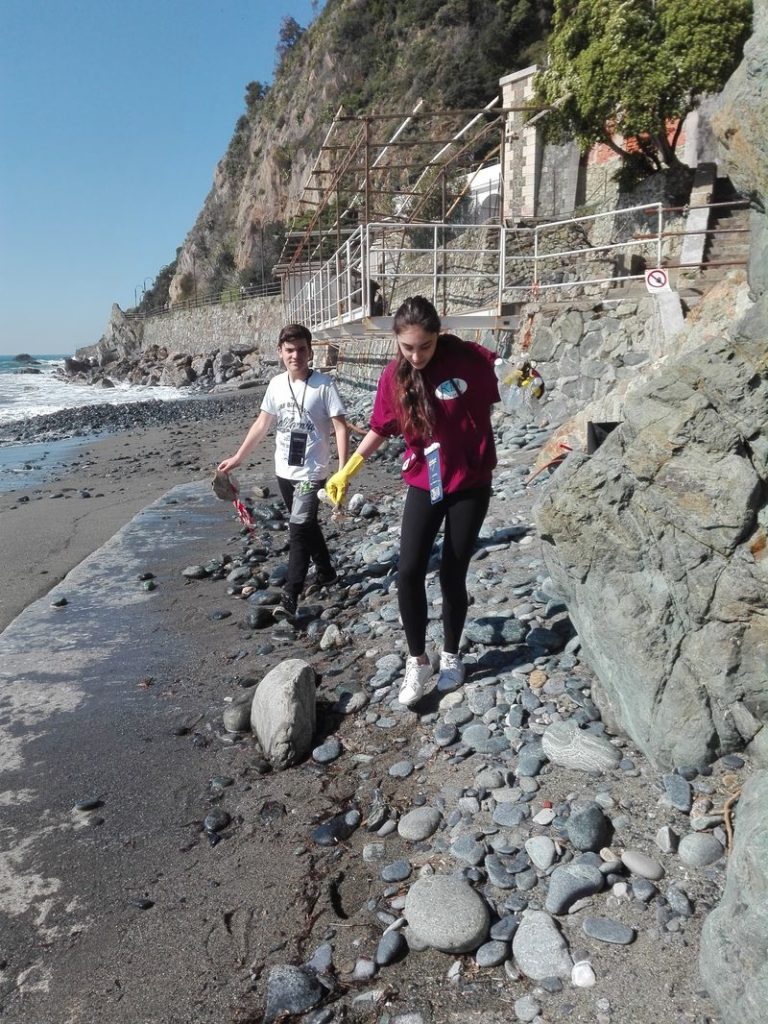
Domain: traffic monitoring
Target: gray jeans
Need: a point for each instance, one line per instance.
(305, 536)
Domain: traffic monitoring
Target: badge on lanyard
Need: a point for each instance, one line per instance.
(432, 455)
(297, 447)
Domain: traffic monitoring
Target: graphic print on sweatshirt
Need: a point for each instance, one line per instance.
(451, 388)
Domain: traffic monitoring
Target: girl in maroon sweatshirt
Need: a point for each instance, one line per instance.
(438, 394)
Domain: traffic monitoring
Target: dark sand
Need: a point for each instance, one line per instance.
(47, 529)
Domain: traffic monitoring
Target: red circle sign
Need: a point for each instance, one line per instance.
(656, 279)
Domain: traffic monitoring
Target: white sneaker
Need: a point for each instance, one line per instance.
(452, 672)
(416, 676)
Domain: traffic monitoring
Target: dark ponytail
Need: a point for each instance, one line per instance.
(417, 414)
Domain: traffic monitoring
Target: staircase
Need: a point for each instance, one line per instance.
(726, 249)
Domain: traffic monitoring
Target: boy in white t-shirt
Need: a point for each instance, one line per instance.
(304, 405)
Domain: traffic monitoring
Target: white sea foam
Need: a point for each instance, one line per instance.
(34, 394)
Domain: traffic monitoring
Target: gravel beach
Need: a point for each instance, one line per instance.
(492, 854)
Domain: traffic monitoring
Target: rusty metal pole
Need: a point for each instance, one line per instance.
(444, 260)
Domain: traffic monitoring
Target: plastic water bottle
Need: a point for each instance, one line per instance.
(519, 388)
(508, 377)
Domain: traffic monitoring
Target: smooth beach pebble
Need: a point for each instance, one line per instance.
(446, 913)
(88, 805)
(492, 953)
(216, 820)
(606, 930)
(699, 850)
(582, 975)
(640, 864)
(419, 824)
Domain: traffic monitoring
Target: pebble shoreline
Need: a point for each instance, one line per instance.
(109, 418)
(519, 838)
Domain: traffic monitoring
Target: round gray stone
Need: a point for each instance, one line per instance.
(418, 824)
(698, 849)
(391, 946)
(489, 778)
(290, 990)
(397, 871)
(540, 951)
(526, 1009)
(510, 815)
(401, 770)
(491, 954)
(498, 874)
(327, 751)
(458, 716)
(572, 882)
(475, 735)
(542, 851)
(588, 828)
(445, 734)
(468, 849)
(446, 913)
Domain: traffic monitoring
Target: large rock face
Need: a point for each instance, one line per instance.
(657, 542)
(734, 943)
(740, 120)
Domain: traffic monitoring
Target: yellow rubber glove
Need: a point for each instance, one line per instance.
(336, 487)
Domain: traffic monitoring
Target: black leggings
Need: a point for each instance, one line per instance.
(463, 513)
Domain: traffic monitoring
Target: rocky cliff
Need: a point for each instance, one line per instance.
(366, 56)
(657, 541)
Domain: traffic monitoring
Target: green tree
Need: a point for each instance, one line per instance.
(631, 67)
(255, 93)
(290, 33)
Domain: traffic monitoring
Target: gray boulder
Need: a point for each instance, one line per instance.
(283, 712)
(290, 990)
(655, 541)
(734, 942)
(539, 948)
(446, 913)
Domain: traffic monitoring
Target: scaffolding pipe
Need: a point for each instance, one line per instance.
(455, 139)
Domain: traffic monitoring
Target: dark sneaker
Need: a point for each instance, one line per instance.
(286, 609)
(326, 578)
(320, 580)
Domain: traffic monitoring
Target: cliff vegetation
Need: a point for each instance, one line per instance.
(367, 56)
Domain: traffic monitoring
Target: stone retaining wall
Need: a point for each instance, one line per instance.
(585, 348)
(238, 326)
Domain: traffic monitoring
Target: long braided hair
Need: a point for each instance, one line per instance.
(413, 400)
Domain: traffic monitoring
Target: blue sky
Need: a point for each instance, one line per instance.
(113, 115)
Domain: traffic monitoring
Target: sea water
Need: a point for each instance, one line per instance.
(24, 394)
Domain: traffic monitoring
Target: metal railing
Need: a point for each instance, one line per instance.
(218, 297)
(477, 271)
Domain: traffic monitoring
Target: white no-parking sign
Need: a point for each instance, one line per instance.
(657, 280)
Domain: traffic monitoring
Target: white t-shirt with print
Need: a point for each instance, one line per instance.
(303, 405)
